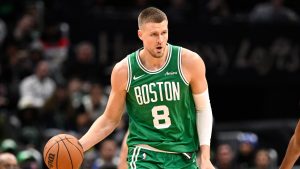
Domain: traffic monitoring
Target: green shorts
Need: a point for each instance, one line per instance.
(140, 158)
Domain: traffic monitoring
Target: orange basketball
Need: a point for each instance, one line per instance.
(63, 151)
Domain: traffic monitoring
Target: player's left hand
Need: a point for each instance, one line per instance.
(206, 164)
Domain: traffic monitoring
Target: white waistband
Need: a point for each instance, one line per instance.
(147, 147)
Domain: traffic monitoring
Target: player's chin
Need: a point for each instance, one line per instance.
(159, 52)
(158, 55)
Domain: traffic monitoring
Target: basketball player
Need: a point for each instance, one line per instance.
(166, 95)
(293, 150)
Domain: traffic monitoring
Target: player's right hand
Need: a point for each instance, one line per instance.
(206, 164)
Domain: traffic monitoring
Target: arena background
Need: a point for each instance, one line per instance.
(252, 59)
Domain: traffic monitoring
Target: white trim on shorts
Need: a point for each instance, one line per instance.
(135, 155)
(147, 147)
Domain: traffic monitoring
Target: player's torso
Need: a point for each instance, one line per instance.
(160, 104)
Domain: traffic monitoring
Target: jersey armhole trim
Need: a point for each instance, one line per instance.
(129, 73)
(180, 67)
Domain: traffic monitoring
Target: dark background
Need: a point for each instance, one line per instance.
(261, 83)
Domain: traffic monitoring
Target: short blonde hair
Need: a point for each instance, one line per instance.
(151, 14)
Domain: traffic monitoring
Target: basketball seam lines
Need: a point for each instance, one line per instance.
(56, 142)
(76, 147)
(67, 151)
(50, 148)
(57, 155)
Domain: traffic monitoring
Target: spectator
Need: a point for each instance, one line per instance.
(9, 145)
(246, 150)
(107, 155)
(37, 88)
(34, 91)
(92, 106)
(84, 66)
(273, 12)
(76, 94)
(15, 64)
(8, 161)
(89, 158)
(58, 109)
(55, 44)
(262, 160)
(27, 160)
(25, 33)
(225, 157)
(94, 103)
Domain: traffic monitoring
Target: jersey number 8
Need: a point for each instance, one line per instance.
(161, 120)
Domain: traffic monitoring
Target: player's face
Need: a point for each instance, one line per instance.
(154, 37)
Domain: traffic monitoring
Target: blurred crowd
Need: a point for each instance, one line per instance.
(182, 10)
(243, 150)
(50, 85)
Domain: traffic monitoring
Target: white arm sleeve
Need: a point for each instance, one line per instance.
(204, 117)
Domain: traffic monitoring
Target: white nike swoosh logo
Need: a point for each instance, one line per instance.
(137, 77)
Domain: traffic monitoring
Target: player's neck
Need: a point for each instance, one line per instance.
(153, 63)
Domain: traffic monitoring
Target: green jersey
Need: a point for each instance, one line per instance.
(160, 105)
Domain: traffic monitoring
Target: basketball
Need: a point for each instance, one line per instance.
(63, 151)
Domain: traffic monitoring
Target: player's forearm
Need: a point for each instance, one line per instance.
(292, 154)
(204, 152)
(100, 129)
(204, 117)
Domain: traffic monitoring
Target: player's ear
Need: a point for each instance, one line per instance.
(140, 34)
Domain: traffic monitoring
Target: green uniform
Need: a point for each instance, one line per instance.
(139, 158)
(160, 105)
